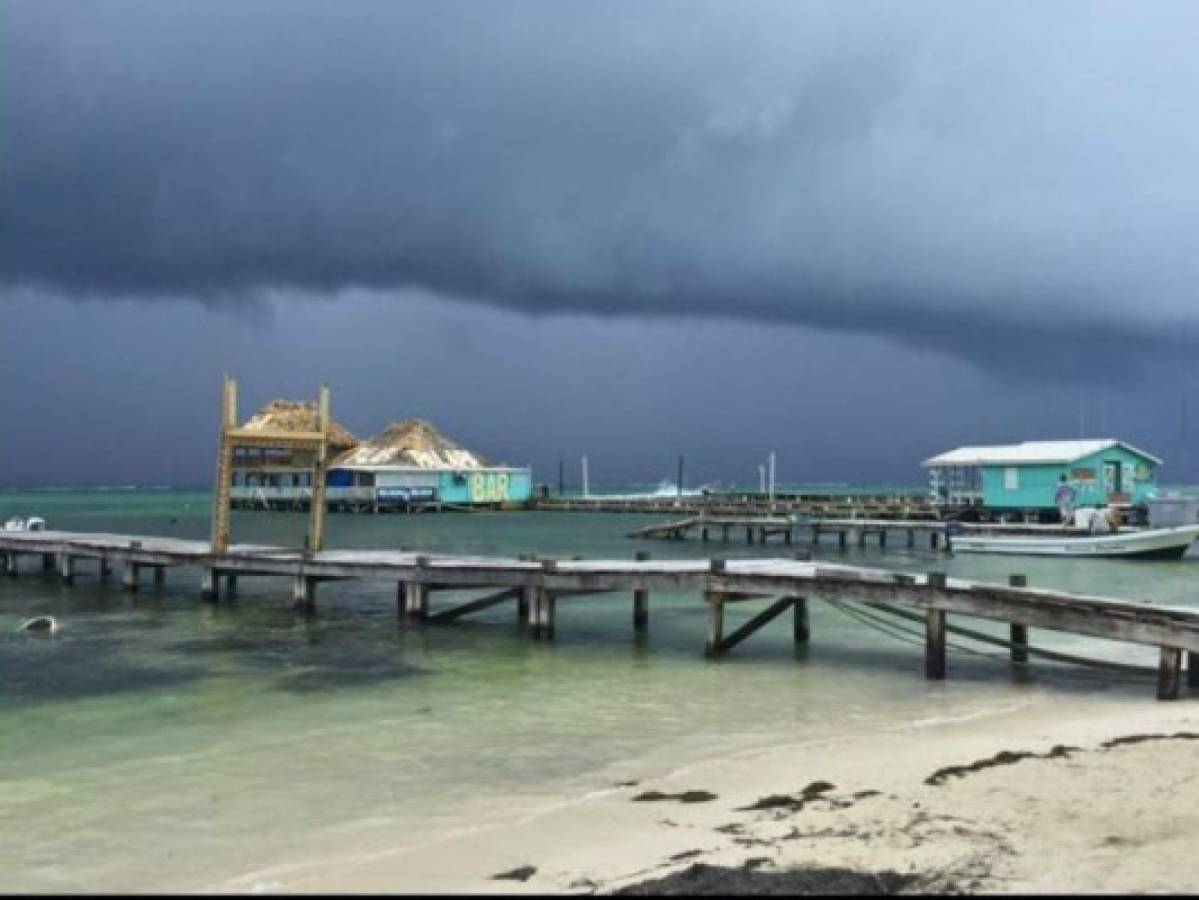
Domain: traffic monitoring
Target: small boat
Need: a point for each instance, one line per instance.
(1131, 543)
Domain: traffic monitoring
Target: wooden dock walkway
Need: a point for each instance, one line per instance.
(534, 587)
(761, 529)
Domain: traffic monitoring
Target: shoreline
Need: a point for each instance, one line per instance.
(990, 803)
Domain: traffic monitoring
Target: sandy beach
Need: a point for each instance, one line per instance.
(1056, 794)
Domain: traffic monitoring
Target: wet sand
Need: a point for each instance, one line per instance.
(1068, 794)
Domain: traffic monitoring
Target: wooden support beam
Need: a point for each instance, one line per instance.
(9, 563)
(231, 585)
(1192, 669)
(773, 611)
(66, 567)
(456, 612)
(641, 595)
(1018, 632)
(934, 634)
(48, 562)
(160, 575)
(1169, 672)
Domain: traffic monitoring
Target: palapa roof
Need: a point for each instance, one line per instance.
(410, 443)
(299, 415)
(1031, 453)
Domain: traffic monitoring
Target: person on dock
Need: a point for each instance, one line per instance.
(1064, 498)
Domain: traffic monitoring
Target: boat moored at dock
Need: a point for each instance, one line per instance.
(1150, 543)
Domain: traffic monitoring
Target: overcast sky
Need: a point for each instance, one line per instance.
(853, 233)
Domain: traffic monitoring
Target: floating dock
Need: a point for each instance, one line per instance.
(534, 587)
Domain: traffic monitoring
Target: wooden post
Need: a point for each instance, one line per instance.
(1168, 674)
(749, 534)
(544, 605)
(316, 517)
(210, 585)
(1018, 632)
(66, 567)
(47, 562)
(641, 597)
(8, 562)
(1192, 669)
(715, 637)
(224, 469)
(304, 593)
(129, 576)
(842, 538)
(230, 586)
(934, 633)
(401, 599)
(932, 540)
(802, 627)
(882, 538)
(160, 575)
(911, 538)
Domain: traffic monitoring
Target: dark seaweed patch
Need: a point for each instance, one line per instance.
(1002, 758)
(521, 873)
(706, 880)
(1142, 738)
(683, 797)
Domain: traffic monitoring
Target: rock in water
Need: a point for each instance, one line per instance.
(40, 624)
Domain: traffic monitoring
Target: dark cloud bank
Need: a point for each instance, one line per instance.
(1013, 182)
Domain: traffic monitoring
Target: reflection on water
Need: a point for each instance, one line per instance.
(159, 740)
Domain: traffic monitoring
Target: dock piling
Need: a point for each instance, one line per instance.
(802, 629)
(934, 633)
(1018, 632)
(66, 567)
(715, 602)
(1169, 673)
(641, 597)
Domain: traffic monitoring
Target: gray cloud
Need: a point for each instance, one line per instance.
(1014, 183)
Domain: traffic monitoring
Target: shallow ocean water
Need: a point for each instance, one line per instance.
(157, 740)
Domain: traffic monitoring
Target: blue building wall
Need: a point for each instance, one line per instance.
(1092, 481)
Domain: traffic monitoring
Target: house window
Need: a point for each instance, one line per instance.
(1011, 478)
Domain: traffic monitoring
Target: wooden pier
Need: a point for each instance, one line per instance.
(789, 529)
(535, 586)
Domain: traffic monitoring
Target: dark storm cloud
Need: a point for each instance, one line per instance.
(1011, 182)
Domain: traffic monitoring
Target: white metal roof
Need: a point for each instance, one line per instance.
(1030, 452)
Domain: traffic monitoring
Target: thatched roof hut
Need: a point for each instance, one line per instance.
(299, 415)
(411, 442)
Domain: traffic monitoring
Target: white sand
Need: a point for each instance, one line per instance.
(1118, 819)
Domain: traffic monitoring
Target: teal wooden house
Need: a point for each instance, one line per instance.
(1026, 476)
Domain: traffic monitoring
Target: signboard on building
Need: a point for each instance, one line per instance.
(407, 494)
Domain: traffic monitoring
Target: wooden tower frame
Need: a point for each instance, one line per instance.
(232, 437)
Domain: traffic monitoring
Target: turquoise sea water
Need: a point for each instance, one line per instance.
(158, 741)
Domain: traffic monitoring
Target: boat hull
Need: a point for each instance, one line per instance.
(1158, 543)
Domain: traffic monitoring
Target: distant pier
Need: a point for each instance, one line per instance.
(534, 588)
(787, 530)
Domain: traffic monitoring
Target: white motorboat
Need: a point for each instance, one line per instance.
(1132, 543)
